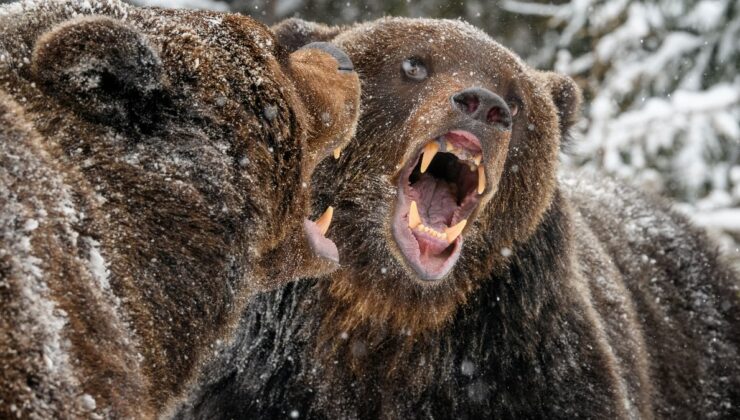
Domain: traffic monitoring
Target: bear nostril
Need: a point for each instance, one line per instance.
(499, 115)
(467, 103)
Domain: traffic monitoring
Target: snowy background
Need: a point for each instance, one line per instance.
(660, 80)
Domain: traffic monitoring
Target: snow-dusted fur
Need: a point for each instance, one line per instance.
(574, 297)
(153, 172)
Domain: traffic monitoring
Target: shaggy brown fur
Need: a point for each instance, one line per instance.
(573, 297)
(155, 171)
(400, 116)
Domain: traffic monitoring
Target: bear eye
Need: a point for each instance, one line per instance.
(515, 105)
(514, 108)
(414, 69)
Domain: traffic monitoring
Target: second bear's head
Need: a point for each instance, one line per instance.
(454, 163)
(204, 112)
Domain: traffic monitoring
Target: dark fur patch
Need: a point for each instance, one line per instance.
(154, 174)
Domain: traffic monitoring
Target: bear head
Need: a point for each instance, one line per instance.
(243, 127)
(453, 165)
(185, 143)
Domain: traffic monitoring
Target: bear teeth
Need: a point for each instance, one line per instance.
(337, 152)
(324, 220)
(431, 231)
(481, 180)
(414, 218)
(433, 147)
(451, 233)
(430, 150)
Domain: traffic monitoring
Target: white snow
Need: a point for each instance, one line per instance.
(185, 4)
(87, 402)
(663, 95)
(39, 313)
(97, 263)
(726, 219)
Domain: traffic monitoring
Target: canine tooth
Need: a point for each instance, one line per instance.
(477, 159)
(414, 218)
(324, 221)
(449, 146)
(430, 150)
(453, 232)
(337, 152)
(481, 179)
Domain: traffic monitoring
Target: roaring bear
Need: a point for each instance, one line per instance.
(155, 170)
(477, 281)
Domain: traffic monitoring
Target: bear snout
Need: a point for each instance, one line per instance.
(482, 105)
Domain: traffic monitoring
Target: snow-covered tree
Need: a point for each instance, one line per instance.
(663, 94)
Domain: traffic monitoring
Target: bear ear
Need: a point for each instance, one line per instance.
(294, 33)
(566, 96)
(102, 68)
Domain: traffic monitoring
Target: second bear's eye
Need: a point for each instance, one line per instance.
(414, 69)
(515, 105)
(514, 108)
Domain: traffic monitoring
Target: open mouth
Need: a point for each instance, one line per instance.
(438, 190)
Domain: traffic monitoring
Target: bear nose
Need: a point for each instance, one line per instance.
(483, 105)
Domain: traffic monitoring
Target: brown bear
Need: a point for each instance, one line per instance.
(476, 281)
(155, 170)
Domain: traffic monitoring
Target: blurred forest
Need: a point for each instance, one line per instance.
(660, 79)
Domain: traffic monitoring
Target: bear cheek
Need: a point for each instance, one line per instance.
(331, 99)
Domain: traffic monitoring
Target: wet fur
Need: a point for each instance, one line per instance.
(575, 297)
(154, 170)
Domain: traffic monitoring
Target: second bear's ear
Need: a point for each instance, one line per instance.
(294, 33)
(567, 98)
(103, 69)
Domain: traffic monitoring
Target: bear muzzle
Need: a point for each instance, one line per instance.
(482, 105)
(438, 191)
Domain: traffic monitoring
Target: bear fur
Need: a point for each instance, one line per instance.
(155, 171)
(573, 296)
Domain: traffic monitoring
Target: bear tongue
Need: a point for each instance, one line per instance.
(436, 200)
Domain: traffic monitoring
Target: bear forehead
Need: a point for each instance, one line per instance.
(227, 39)
(453, 39)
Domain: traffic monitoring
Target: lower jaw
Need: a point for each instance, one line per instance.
(429, 268)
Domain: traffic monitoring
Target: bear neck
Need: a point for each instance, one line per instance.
(515, 301)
